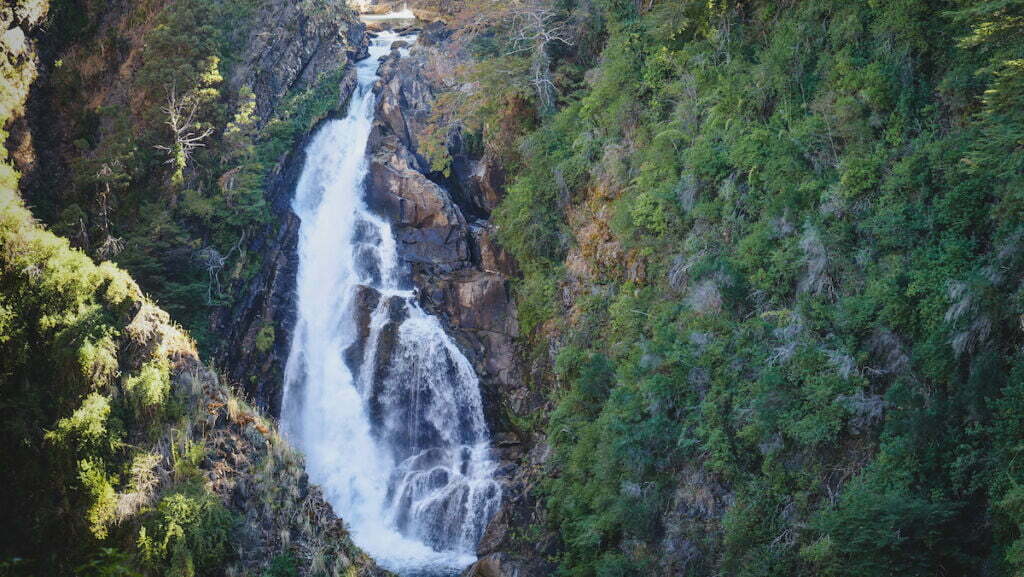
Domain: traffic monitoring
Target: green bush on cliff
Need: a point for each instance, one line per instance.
(282, 566)
(265, 338)
(812, 317)
(173, 187)
(189, 534)
(73, 425)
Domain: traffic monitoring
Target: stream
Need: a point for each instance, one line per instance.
(377, 396)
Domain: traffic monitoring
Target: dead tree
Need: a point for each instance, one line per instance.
(111, 245)
(537, 26)
(214, 262)
(534, 27)
(185, 132)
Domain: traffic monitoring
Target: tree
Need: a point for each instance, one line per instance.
(533, 28)
(186, 133)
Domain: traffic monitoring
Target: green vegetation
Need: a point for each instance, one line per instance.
(190, 534)
(115, 437)
(282, 566)
(265, 338)
(170, 182)
(86, 387)
(792, 233)
(772, 257)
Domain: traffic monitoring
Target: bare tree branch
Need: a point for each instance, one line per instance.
(180, 119)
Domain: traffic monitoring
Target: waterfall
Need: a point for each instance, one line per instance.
(383, 404)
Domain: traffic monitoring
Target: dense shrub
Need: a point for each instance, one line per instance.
(177, 206)
(814, 216)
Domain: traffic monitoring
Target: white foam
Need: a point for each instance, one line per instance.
(415, 482)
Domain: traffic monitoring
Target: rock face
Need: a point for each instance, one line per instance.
(292, 51)
(462, 276)
(446, 241)
(278, 63)
(430, 228)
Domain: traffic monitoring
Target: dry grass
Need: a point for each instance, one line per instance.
(234, 408)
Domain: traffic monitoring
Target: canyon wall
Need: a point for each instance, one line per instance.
(123, 448)
(441, 222)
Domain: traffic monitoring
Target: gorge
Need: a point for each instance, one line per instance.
(389, 413)
(511, 288)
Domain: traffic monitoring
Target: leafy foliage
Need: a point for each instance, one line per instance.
(171, 185)
(779, 246)
(190, 534)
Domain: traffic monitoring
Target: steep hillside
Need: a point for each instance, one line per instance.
(156, 132)
(123, 454)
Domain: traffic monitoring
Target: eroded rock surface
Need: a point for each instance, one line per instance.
(256, 330)
(460, 273)
(462, 276)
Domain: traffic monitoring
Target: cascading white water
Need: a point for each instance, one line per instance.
(387, 411)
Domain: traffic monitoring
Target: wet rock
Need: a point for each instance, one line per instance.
(433, 218)
(508, 448)
(437, 246)
(457, 266)
(367, 299)
(408, 197)
(489, 566)
(387, 345)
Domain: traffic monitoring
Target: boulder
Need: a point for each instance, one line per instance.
(488, 255)
(387, 343)
(408, 198)
(480, 181)
(437, 246)
(367, 299)
(434, 33)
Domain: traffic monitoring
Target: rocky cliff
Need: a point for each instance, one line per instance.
(446, 241)
(123, 449)
(442, 224)
(266, 302)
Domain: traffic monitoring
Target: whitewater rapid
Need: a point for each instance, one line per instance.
(389, 418)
